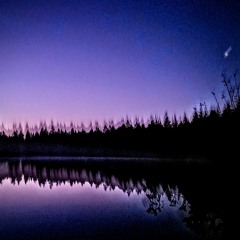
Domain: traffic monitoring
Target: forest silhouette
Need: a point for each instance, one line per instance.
(209, 132)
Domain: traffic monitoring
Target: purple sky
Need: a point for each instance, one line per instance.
(95, 60)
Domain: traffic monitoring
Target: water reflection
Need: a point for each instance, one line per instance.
(163, 187)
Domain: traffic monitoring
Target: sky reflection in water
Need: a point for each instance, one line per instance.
(43, 202)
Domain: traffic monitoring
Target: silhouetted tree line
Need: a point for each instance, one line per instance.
(208, 131)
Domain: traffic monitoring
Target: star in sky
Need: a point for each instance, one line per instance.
(227, 52)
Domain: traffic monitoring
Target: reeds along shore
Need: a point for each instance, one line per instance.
(210, 131)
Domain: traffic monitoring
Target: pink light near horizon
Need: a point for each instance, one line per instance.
(86, 61)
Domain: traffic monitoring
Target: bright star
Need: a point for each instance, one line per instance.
(227, 52)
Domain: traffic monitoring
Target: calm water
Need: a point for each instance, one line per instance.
(109, 199)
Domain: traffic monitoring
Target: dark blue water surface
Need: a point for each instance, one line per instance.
(107, 199)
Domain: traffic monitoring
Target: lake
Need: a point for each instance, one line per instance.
(107, 198)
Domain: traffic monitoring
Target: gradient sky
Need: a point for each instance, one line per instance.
(94, 60)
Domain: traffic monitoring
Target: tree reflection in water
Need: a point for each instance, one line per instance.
(196, 196)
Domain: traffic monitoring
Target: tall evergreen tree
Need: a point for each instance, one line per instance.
(166, 121)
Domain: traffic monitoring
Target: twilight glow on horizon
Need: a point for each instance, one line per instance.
(92, 60)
